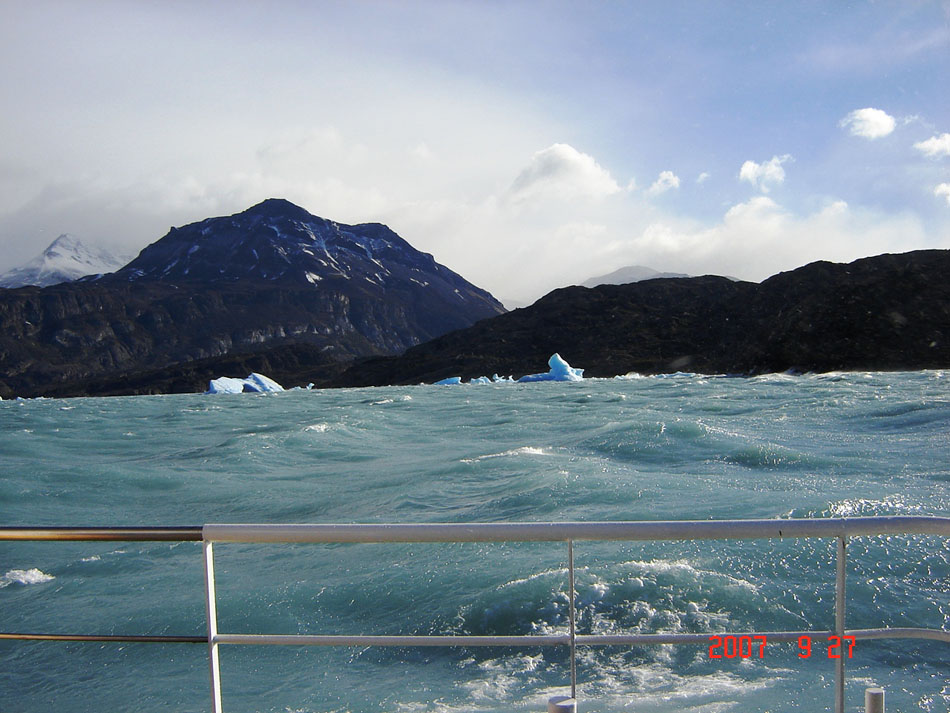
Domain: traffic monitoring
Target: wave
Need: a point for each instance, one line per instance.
(523, 451)
(25, 577)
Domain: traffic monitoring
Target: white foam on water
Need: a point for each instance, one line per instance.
(523, 451)
(317, 427)
(684, 567)
(503, 678)
(531, 577)
(24, 576)
(614, 685)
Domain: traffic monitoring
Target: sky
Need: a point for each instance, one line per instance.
(526, 145)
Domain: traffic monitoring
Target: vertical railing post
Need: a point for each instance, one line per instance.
(874, 700)
(570, 577)
(212, 613)
(839, 622)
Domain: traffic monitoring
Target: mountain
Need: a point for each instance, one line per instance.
(271, 276)
(276, 241)
(881, 313)
(66, 259)
(630, 273)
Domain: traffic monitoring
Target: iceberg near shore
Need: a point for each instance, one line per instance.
(559, 370)
(254, 383)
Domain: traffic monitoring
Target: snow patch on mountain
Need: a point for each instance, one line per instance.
(66, 259)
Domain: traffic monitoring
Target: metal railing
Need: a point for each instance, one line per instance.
(569, 532)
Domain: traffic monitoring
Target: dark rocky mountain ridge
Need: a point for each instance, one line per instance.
(271, 276)
(882, 313)
(278, 241)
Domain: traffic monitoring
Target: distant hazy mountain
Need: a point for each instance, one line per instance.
(66, 259)
(630, 273)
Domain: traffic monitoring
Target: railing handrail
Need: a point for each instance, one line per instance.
(840, 528)
(580, 531)
(639, 530)
(102, 534)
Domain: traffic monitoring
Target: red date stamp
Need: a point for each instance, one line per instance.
(746, 647)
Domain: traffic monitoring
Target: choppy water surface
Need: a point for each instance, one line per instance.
(681, 447)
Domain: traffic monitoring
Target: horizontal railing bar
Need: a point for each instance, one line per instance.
(897, 633)
(407, 641)
(527, 640)
(561, 639)
(562, 531)
(657, 639)
(461, 640)
(108, 638)
(500, 532)
(771, 636)
(102, 534)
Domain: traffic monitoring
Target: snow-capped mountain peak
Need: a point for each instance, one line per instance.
(65, 259)
(278, 241)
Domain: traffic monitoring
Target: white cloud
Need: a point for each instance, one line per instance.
(515, 248)
(943, 191)
(758, 238)
(935, 146)
(666, 181)
(422, 152)
(702, 177)
(766, 174)
(561, 171)
(522, 254)
(868, 123)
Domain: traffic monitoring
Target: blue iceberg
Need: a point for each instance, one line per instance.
(254, 383)
(560, 371)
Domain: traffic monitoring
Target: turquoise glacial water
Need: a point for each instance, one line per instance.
(680, 447)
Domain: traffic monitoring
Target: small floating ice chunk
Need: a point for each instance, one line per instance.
(480, 380)
(452, 380)
(254, 383)
(560, 370)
